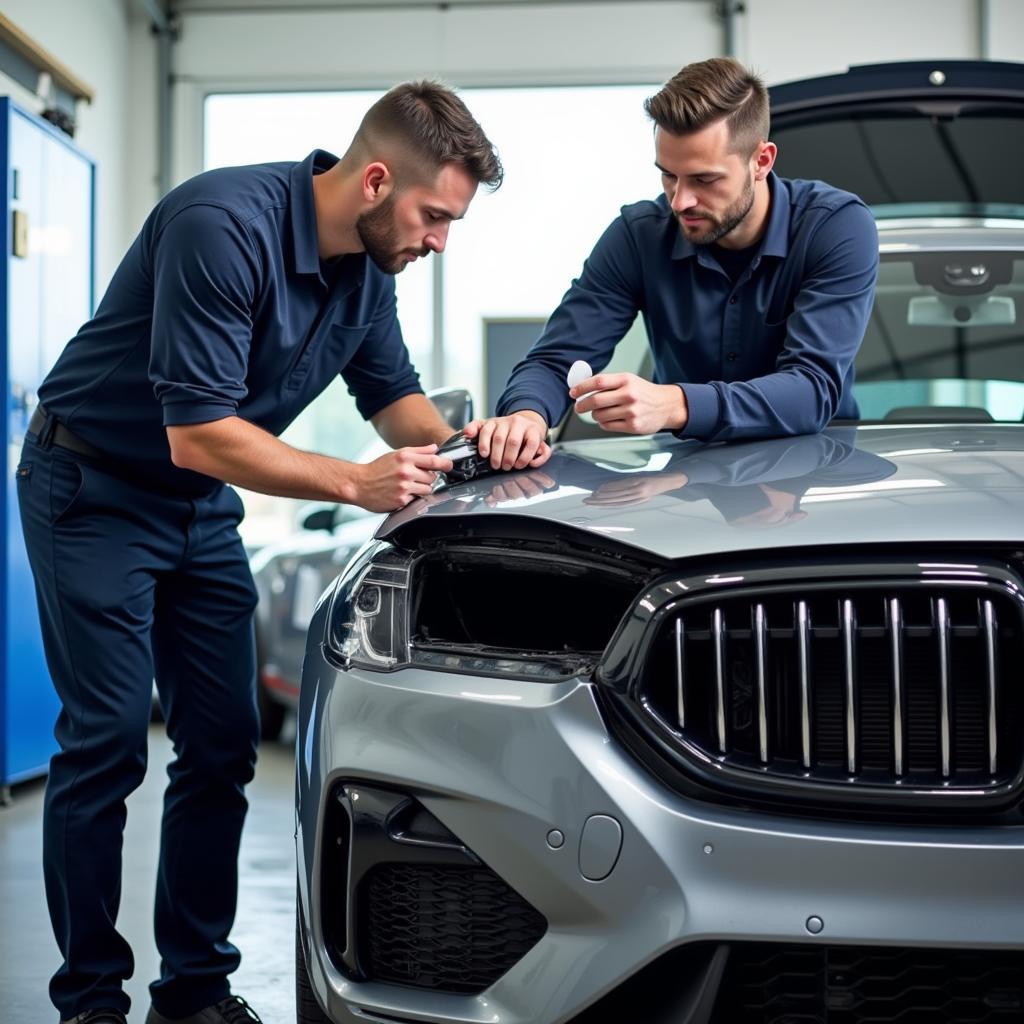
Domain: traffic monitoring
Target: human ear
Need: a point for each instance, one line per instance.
(764, 159)
(377, 181)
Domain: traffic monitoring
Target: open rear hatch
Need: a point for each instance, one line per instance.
(916, 139)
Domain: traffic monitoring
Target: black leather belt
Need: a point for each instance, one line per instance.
(48, 431)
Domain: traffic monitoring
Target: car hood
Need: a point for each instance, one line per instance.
(679, 499)
(911, 139)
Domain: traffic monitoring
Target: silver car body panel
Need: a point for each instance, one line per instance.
(903, 484)
(501, 763)
(943, 234)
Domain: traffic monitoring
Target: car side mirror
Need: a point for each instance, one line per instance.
(322, 517)
(454, 404)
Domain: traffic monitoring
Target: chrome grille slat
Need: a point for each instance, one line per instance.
(942, 624)
(680, 675)
(896, 641)
(804, 647)
(719, 630)
(850, 678)
(904, 684)
(990, 689)
(761, 643)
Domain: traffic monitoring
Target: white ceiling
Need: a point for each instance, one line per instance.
(223, 6)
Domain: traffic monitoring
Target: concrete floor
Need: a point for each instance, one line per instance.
(264, 926)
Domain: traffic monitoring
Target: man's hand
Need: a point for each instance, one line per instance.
(628, 404)
(393, 480)
(635, 488)
(527, 485)
(512, 442)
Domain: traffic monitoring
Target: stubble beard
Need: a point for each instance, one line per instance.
(727, 222)
(379, 236)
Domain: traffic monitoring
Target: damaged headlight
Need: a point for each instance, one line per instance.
(368, 624)
(484, 608)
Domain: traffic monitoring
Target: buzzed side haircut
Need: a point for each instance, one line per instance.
(430, 122)
(708, 91)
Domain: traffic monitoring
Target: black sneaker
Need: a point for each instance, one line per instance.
(233, 1010)
(97, 1017)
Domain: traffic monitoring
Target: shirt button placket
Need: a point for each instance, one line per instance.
(731, 334)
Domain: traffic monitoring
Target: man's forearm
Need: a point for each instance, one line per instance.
(238, 452)
(412, 420)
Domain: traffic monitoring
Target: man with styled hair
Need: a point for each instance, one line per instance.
(755, 291)
(247, 291)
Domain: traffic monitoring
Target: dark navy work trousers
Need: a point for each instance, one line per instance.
(135, 585)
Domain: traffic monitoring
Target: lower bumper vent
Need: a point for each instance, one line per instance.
(765, 984)
(406, 902)
(452, 928)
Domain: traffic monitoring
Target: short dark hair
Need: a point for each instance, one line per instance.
(709, 91)
(430, 121)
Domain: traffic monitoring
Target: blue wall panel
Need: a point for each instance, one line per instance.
(46, 294)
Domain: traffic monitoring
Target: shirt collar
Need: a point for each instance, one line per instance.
(776, 236)
(302, 210)
(775, 241)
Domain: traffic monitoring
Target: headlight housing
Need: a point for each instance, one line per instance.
(483, 607)
(368, 624)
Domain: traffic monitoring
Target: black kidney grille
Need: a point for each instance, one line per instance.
(456, 929)
(766, 984)
(886, 685)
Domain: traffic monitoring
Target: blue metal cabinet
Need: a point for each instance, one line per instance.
(46, 289)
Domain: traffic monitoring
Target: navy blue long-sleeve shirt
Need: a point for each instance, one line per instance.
(223, 307)
(770, 354)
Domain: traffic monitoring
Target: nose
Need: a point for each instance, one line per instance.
(683, 199)
(437, 239)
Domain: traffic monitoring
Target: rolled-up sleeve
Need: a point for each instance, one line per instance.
(823, 334)
(380, 370)
(591, 319)
(205, 278)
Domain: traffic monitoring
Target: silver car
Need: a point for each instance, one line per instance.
(716, 734)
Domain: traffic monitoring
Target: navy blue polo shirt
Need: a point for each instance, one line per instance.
(767, 354)
(223, 307)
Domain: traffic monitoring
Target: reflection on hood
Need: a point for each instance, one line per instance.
(751, 484)
(741, 483)
(924, 486)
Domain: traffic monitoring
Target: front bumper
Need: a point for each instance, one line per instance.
(503, 763)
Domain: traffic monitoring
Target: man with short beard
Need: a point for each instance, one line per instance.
(755, 291)
(248, 290)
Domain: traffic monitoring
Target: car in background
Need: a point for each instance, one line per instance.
(291, 573)
(672, 732)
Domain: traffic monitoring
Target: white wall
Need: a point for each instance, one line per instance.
(1006, 33)
(107, 43)
(91, 40)
(142, 173)
(631, 41)
(789, 39)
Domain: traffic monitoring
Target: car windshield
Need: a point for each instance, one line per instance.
(946, 338)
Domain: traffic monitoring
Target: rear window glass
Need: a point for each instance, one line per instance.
(946, 333)
(908, 164)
